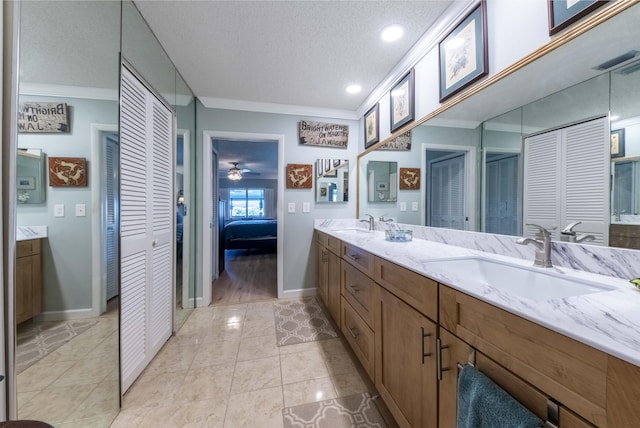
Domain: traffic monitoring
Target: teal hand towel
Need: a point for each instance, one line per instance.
(482, 403)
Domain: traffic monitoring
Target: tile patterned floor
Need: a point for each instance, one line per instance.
(76, 385)
(224, 370)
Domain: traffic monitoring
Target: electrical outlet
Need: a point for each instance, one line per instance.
(58, 210)
(291, 208)
(414, 206)
(403, 206)
(81, 210)
(306, 207)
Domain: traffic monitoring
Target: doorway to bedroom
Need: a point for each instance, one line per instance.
(247, 226)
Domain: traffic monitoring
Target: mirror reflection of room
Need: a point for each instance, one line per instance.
(332, 180)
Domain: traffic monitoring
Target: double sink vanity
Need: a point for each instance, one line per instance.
(565, 343)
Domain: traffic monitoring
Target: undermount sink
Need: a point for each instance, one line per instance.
(352, 230)
(528, 282)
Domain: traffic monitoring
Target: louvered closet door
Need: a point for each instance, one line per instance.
(111, 196)
(541, 202)
(586, 186)
(147, 212)
(567, 180)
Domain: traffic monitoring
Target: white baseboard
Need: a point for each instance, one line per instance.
(296, 294)
(66, 315)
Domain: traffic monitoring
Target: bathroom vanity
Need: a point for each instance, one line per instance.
(571, 359)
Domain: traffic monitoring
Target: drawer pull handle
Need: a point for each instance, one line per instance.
(354, 332)
(439, 368)
(425, 354)
(353, 289)
(354, 256)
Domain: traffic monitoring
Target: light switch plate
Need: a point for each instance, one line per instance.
(58, 210)
(291, 208)
(403, 206)
(306, 207)
(81, 210)
(414, 206)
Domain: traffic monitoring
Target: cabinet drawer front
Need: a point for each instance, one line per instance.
(358, 258)
(359, 336)
(417, 290)
(334, 244)
(569, 371)
(27, 248)
(359, 290)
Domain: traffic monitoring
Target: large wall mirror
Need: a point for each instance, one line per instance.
(472, 159)
(67, 351)
(66, 354)
(29, 176)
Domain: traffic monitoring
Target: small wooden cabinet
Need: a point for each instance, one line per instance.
(328, 273)
(406, 362)
(28, 291)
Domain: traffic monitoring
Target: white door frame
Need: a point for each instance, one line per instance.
(186, 222)
(469, 180)
(98, 257)
(207, 222)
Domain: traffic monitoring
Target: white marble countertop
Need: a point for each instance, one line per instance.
(24, 233)
(608, 320)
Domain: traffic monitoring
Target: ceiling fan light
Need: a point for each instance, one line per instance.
(234, 173)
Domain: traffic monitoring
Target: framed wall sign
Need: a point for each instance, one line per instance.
(563, 13)
(409, 178)
(402, 101)
(299, 176)
(67, 172)
(463, 53)
(372, 126)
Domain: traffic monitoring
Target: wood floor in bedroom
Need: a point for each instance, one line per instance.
(249, 276)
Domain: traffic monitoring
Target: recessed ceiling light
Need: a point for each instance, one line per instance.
(392, 33)
(354, 89)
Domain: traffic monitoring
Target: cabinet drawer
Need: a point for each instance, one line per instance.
(359, 290)
(328, 241)
(416, 290)
(358, 258)
(27, 248)
(359, 336)
(571, 372)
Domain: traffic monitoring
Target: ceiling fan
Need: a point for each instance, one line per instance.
(236, 173)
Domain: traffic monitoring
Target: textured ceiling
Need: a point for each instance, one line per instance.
(300, 53)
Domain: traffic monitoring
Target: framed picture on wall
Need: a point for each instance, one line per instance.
(563, 13)
(463, 53)
(617, 143)
(402, 101)
(372, 126)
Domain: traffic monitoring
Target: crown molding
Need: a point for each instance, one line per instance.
(46, 90)
(429, 40)
(228, 104)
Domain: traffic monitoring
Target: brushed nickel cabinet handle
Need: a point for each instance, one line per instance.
(353, 289)
(354, 332)
(439, 348)
(425, 354)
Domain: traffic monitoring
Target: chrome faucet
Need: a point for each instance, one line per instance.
(569, 235)
(383, 219)
(542, 242)
(369, 220)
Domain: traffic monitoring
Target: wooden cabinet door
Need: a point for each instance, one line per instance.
(452, 351)
(333, 286)
(322, 273)
(27, 271)
(405, 362)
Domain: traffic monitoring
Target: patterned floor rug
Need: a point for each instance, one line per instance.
(354, 411)
(299, 321)
(34, 342)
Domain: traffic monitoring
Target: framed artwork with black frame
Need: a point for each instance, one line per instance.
(617, 143)
(372, 126)
(563, 13)
(463, 58)
(402, 101)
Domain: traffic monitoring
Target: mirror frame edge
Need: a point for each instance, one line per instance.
(588, 24)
